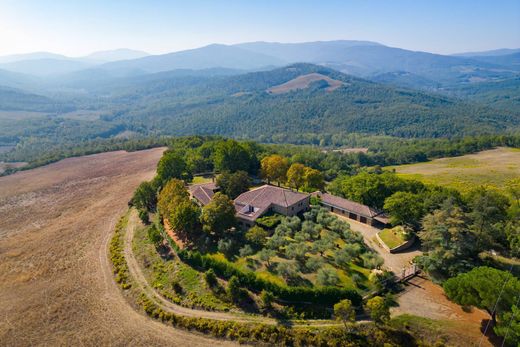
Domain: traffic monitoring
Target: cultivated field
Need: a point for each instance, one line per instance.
(494, 167)
(56, 283)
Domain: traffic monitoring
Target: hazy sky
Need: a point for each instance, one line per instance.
(75, 27)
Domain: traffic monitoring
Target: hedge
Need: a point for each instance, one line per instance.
(249, 279)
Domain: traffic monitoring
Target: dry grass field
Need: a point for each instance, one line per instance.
(302, 82)
(56, 283)
(494, 168)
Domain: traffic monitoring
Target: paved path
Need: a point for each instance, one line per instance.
(394, 262)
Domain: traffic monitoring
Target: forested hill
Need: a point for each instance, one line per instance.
(278, 105)
(247, 106)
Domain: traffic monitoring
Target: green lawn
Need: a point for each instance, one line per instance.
(493, 168)
(201, 179)
(392, 237)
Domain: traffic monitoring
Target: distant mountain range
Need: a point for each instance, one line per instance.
(360, 58)
(49, 64)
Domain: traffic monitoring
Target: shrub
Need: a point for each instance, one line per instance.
(378, 309)
(257, 235)
(233, 288)
(143, 216)
(210, 277)
(269, 222)
(154, 235)
(267, 298)
(246, 251)
(225, 246)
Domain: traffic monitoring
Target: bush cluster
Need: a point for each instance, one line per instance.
(117, 257)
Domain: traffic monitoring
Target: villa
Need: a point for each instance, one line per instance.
(257, 202)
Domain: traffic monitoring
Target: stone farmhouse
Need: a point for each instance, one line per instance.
(257, 202)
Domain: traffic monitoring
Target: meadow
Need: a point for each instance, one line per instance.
(491, 168)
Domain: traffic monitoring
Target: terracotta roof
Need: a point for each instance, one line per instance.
(252, 204)
(203, 192)
(348, 205)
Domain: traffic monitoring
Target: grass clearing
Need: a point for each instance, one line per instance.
(493, 168)
(174, 279)
(201, 180)
(393, 237)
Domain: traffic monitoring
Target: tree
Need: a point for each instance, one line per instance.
(172, 165)
(313, 179)
(322, 245)
(234, 184)
(219, 215)
(287, 270)
(513, 187)
(345, 312)
(297, 251)
(314, 263)
(296, 176)
(232, 156)
(145, 197)
(172, 193)
(513, 236)
(488, 212)
(266, 255)
(327, 277)
(257, 235)
(449, 245)
(184, 217)
(509, 326)
(371, 188)
(274, 168)
(378, 309)
(405, 208)
(481, 286)
(342, 257)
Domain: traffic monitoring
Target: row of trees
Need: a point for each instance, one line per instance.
(276, 168)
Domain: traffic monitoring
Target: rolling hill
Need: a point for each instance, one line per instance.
(308, 100)
(242, 106)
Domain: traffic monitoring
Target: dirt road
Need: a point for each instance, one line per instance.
(56, 286)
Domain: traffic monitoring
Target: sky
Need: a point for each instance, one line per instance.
(76, 27)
